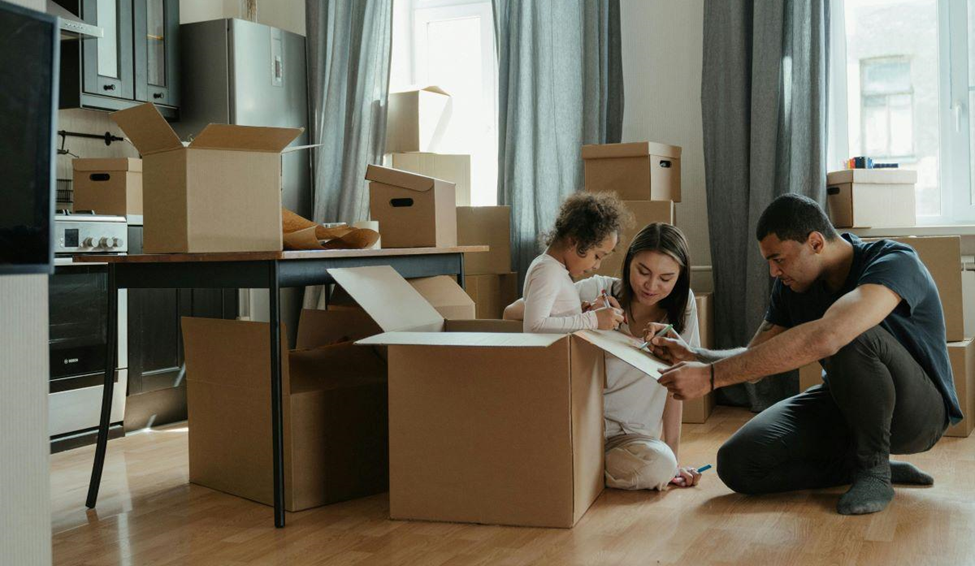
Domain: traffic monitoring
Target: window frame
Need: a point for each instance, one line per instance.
(864, 94)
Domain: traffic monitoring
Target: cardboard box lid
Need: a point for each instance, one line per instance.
(481, 339)
(442, 291)
(429, 88)
(401, 179)
(624, 348)
(637, 149)
(107, 164)
(875, 176)
(388, 298)
(245, 138)
(148, 131)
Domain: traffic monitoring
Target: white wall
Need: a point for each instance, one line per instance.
(25, 496)
(662, 61)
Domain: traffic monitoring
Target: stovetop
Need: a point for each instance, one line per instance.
(76, 233)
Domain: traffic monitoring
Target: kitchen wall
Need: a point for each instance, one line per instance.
(662, 62)
(25, 496)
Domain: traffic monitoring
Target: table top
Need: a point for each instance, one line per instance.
(267, 256)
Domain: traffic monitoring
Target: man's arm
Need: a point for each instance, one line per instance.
(766, 332)
(674, 350)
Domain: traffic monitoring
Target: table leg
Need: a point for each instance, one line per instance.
(108, 389)
(460, 275)
(277, 415)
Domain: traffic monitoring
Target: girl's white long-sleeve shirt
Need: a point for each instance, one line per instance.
(552, 303)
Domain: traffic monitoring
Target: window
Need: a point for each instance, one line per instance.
(902, 83)
(450, 44)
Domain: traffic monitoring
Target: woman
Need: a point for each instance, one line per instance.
(642, 422)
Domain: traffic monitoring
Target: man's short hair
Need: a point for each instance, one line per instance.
(794, 217)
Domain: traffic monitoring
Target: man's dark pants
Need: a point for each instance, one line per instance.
(876, 401)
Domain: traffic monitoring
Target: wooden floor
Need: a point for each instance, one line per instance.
(149, 516)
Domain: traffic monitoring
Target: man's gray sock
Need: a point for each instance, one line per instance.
(871, 492)
(907, 473)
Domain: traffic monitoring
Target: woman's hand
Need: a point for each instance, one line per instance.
(609, 318)
(686, 477)
(670, 348)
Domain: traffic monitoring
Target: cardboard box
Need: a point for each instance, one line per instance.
(468, 409)
(222, 193)
(490, 226)
(335, 412)
(453, 168)
(492, 293)
(698, 410)
(443, 293)
(644, 212)
(413, 211)
(942, 256)
(809, 375)
(417, 119)
(108, 186)
(871, 198)
(634, 171)
(962, 357)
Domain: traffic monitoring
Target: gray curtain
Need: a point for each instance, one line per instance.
(560, 87)
(763, 101)
(348, 47)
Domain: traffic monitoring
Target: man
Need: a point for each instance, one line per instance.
(871, 315)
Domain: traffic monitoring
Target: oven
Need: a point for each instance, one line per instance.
(78, 331)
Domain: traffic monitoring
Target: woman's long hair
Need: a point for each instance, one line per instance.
(667, 239)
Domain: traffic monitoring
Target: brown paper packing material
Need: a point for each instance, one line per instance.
(876, 198)
(335, 412)
(222, 193)
(460, 403)
(108, 186)
(489, 226)
(634, 171)
(644, 212)
(413, 211)
(303, 234)
(698, 410)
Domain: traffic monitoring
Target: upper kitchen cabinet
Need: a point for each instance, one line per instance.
(136, 61)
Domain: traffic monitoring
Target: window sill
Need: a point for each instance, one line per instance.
(928, 230)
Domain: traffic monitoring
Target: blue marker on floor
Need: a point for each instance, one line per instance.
(704, 468)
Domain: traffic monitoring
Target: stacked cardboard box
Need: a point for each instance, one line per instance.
(488, 278)
(645, 175)
(413, 211)
(861, 198)
(698, 410)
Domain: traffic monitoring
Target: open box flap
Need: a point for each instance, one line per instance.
(145, 127)
(624, 348)
(245, 138)
(388, 298)
(479, 339)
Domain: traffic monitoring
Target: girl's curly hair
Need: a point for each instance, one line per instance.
(588, 219)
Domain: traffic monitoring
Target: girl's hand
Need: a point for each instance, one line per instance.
(686, 477)
(608, 318)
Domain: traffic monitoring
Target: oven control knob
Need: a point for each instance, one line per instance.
(116, 242)
(103, 242)
(88, 242)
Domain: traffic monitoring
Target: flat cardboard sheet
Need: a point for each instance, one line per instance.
(389, 299)
(479, 339)
(624, 348)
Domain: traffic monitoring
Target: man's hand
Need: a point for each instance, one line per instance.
(687, 380)
(670, 348)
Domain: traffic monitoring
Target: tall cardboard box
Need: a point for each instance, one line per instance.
(644, 212)
(222, 193)
(698, 410)
(413, 211)
(634, 171)
(417, 119)
(962, 357)
(449, 167)
(108, 186)
(492, 293)
(490, 226)
(871, 198)
(467, 410)
(335, 411)
(810, 375)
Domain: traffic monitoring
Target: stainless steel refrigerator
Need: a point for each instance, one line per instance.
(240, 72)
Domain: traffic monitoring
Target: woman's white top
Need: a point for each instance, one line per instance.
(552, 303)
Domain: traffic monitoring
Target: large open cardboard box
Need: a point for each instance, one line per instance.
(222, 193)
(487, 427)
(449, 167)
(871, 198)
(485, 226)
(634, 171)
(962, 357)
(417, 119)
(644, 212)
(335, 410)
(698, 410)
(108, 186)
(413, 211)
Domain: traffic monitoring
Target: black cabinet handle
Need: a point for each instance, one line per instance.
(157, 95)
(109, 87)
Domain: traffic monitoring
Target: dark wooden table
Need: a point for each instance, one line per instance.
(250, 270)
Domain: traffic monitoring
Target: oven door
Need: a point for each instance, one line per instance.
(78, 311)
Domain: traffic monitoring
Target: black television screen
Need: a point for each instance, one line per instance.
(29, 49)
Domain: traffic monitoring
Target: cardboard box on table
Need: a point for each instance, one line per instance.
(449, 167)
(871, 198)
(222, 193)
(335, 409)
(644, 212)
(485, 226)
(417, 119)
(698, 410)
(108, 186)
(487, 427)
(492, 293)
(634, 171)
(413, 211)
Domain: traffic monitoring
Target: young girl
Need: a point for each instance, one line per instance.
(586, 230)
(642, 422)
